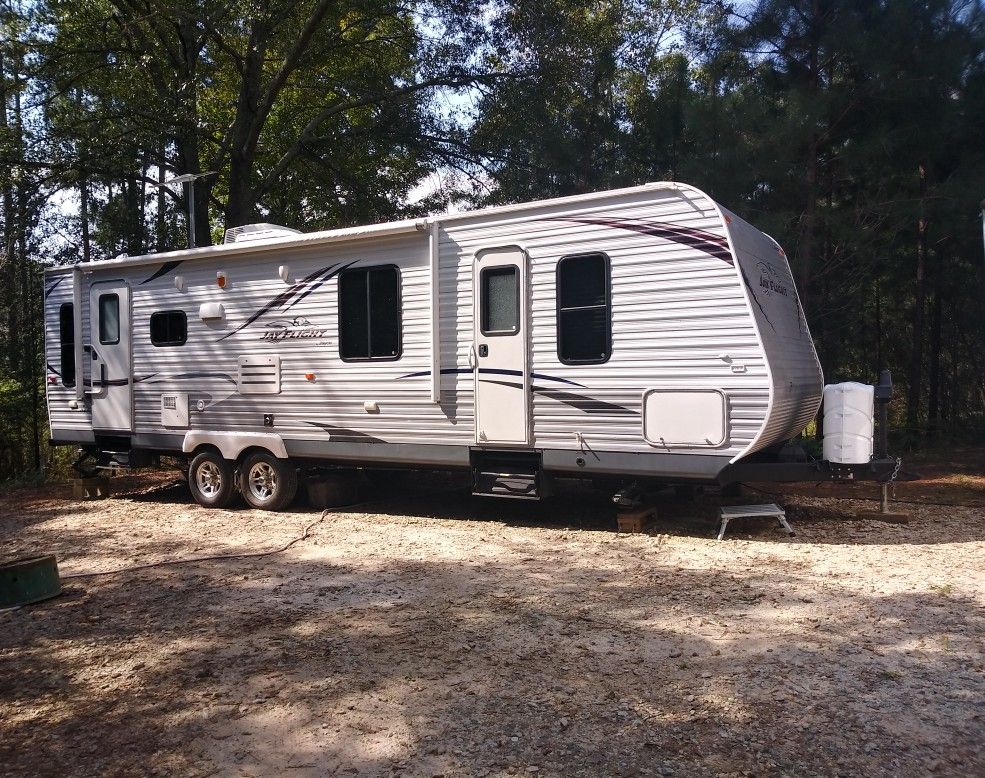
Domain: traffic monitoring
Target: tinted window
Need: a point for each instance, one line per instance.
(66, 339)
(109, 319)
(369, 313)
(500, 297)
(584, 316)
(168, 328)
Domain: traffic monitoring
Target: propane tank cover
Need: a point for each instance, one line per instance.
(849, 423)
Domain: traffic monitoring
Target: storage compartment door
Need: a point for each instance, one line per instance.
(685, 418)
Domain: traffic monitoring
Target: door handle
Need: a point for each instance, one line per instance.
(472, 360)
(103, 389)
(483, 350)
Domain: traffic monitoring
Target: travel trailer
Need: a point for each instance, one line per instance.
(645, 333)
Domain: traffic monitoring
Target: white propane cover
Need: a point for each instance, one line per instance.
(849, 423)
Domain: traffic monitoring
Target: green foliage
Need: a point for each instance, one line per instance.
(800, 116)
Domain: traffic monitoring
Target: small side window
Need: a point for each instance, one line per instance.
(584, 310)
(109, 319)
(168, 328)
(66, 340)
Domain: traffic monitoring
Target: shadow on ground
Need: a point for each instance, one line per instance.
(385, 647)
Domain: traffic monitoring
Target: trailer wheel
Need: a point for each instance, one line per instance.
(210, 478)
(267, 482)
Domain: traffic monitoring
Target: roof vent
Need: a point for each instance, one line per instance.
(260, 231)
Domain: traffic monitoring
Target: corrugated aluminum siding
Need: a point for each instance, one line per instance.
(677, 311)
(795, 370)
(60, 416)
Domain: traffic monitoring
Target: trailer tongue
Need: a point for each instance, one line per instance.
(848, 450)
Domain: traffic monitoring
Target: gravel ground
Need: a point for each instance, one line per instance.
(429, 633)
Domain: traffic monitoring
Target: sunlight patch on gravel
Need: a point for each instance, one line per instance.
(429, 633)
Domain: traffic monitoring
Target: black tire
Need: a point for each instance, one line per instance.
(267, 482)
(211, 480)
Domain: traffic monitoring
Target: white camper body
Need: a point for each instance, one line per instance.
(642, 332)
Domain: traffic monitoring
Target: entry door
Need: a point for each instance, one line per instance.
(109, 352)
(499, 353)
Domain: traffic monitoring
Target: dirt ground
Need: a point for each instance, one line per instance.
(425, 632)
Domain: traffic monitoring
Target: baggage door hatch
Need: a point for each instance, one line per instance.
(499, 352)
(108, 350)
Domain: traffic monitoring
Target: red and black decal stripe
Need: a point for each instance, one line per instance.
(708, 242)
(163, 270)
(286, 298)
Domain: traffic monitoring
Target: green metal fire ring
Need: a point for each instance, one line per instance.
(28, 580)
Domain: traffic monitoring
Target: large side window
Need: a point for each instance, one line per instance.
(369, 313)
(584, 310)
(66, 340)
(168, 328)
(109, 319)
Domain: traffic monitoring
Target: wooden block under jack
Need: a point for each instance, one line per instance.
(635, 519)
(884, 514)
(90, 488)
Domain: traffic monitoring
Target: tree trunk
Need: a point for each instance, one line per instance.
(936, 321)
(8, 296)
(162, 203)
(29, 353)
(878, 366)
(805, 248)
(241, 203)
(84, 217)
(914, 379)
(142, 216)
(188, 141)
(133, 215)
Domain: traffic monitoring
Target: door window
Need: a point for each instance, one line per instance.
(500, 296)
(109, 319)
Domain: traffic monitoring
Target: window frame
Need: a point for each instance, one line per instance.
(168, 343)
(369, 326)
(62, 343)
(558, 330)
(482, 302)
(99, 314)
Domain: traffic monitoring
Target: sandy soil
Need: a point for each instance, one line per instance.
(429, 633)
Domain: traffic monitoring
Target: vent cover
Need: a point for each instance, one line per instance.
(259, 374)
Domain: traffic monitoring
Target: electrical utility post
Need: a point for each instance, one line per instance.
(188, 179)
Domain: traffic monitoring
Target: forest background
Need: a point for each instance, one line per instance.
(853, 131)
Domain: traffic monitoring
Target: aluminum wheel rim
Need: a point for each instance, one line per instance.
(263, 481)
(209, 479)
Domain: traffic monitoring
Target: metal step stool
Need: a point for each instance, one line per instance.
(767, 511)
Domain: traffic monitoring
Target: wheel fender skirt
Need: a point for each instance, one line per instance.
(232, 444)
